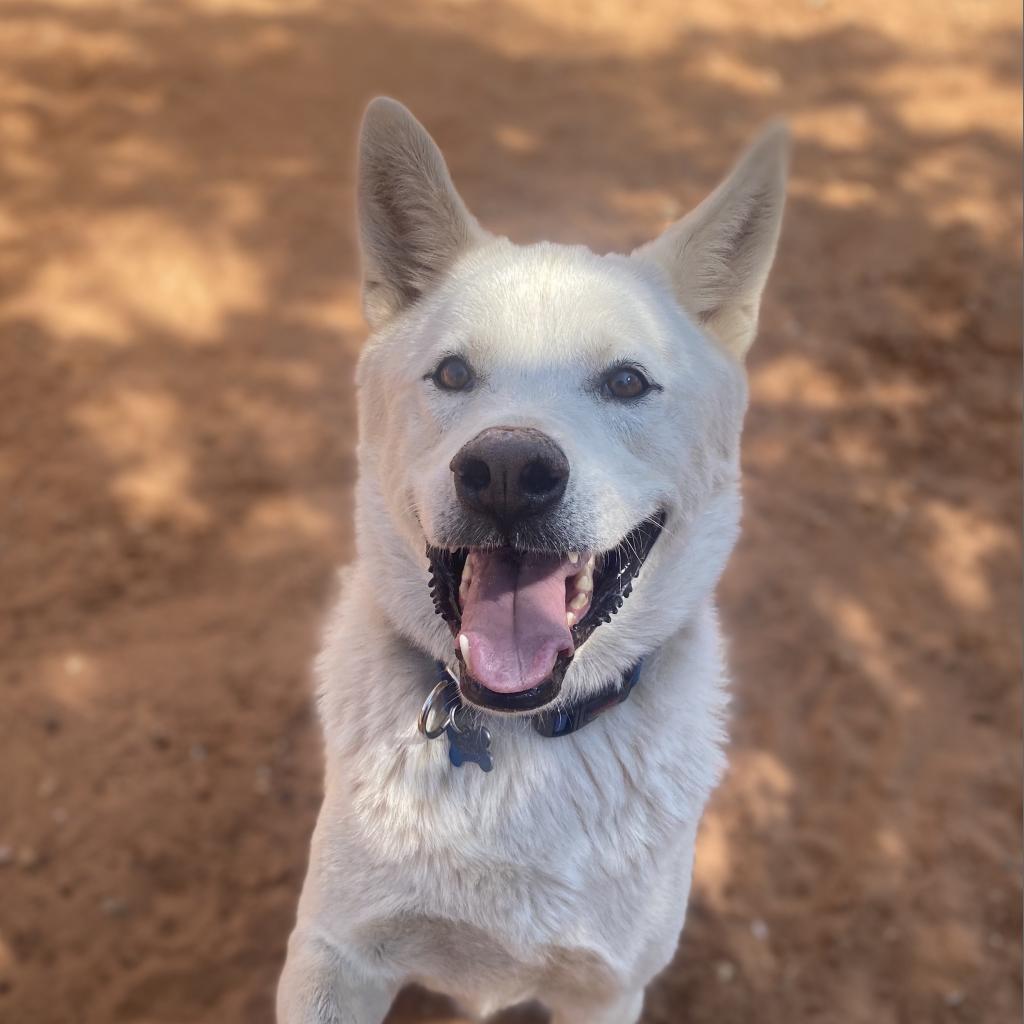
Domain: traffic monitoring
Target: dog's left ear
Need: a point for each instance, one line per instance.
(412, 223)
(718, 256)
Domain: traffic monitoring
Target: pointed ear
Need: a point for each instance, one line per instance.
(718, 256)
(412, 222)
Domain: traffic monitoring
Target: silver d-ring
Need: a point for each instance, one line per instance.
(435, 701)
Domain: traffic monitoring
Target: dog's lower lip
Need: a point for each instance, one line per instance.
(533, 699)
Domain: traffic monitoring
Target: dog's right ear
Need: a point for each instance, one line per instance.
(718, 256)
(412, 223)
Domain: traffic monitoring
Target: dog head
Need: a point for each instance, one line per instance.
(544, 431)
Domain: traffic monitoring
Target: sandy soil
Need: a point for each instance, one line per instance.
(179, 322)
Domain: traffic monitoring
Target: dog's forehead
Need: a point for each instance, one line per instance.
(548, 302)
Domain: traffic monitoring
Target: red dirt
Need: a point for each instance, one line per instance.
(179, 321)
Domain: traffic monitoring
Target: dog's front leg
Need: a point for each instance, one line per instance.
(319, 985)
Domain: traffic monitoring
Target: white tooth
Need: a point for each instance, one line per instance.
(464, 647)
(584, 583)
(578, 602)
(570, 619)
(591, 562)
(574, 557)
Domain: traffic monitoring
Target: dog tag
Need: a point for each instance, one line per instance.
(469, 744)
(441, 713)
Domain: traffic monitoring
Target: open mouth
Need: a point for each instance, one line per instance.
(518, 617)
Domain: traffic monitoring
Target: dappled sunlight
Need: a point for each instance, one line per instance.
(179, 298)
(713, 865)
(269, 9)
(47, 35)
(286, 433)
(18, 163)
(963, 547)
(858, 451)
(845, 127)
(75, 680)
(341, 312)
(274, 525)
(533, 25)
(516, 139)
(125, 272)
(793, 378)
(950, 948)
(740, 75)
(839, 195)
(130, 162)
(764, 785)
(659, 207)
(938, 106)
(892, 846)
(141, 433)
(958, 180)
(867, 643)
(266, 43)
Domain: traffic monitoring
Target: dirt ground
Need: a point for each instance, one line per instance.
(179, 317)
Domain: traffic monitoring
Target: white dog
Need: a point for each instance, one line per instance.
(548, 493)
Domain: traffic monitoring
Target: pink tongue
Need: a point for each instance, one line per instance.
(514, 618)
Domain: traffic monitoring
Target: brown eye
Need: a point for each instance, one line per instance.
(625, 382)
(453, 374)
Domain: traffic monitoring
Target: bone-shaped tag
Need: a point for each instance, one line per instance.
(469, 744)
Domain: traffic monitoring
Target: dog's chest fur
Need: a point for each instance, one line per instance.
(567, 864)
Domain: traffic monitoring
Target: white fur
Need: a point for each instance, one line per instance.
(562, 875)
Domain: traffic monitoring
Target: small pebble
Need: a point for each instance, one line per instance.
(47, 788)
(954, 998)
(759, 929)
(263, 783)
(28, 857)
(113, 906)
(725, 971)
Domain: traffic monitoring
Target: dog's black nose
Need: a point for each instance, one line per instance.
(510, 473)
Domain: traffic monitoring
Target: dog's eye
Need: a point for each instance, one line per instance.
(625, 382)
(453, 374)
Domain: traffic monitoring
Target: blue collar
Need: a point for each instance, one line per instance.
(583, 712)
(472, 742)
